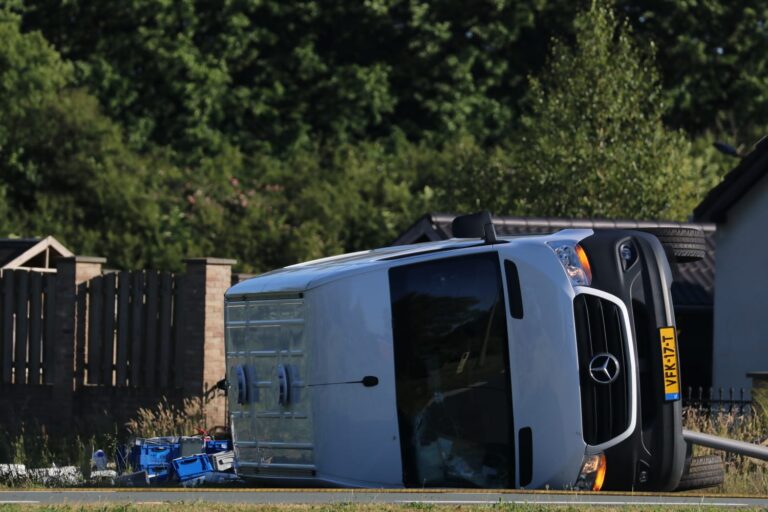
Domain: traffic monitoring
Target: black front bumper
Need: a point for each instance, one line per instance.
(652, 457)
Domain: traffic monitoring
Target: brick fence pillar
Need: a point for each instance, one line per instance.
(71, 273)
(88, 267)
(204, 365)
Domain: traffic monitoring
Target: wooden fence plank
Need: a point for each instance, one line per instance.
(95, 317)
(178, 341)
(123, 327)
(108, 333)
(8, 304)
(150, 321)
(35, 326)
(49, 331)
(166, 298)
(137, 324)
(22, 326)
(81, 309)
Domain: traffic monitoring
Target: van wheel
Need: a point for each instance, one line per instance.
(686, 244)
(703, 471)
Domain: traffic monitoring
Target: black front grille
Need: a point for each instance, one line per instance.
(605, 407)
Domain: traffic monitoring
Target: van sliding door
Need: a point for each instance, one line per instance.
(454, 400)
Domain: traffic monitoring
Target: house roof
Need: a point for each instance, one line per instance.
(11, 248)
(693, 282)
(735, 184)
(37, 253)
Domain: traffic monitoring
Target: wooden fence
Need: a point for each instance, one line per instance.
(126, 332)
(81, 345)
(27, 323)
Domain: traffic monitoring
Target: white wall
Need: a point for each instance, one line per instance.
(741, 291)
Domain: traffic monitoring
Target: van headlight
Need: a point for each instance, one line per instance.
(592, 474)
(574, 261)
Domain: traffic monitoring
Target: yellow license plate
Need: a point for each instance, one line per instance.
(669, 363)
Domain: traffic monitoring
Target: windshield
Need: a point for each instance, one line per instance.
(454, 398)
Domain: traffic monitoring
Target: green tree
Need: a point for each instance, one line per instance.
(65, 168)
(269, 75)
(713, 63)
(594, 143)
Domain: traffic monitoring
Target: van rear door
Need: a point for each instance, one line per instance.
(268, 400)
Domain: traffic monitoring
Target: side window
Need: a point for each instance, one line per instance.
(452, 372)
(514, 294)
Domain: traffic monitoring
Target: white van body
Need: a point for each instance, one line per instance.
(299, 341)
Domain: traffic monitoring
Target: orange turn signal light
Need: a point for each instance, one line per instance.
(582, 255)
(600, 476)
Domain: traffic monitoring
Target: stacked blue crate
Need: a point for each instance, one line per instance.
(213, 446)
(154, 456)
(192, 470)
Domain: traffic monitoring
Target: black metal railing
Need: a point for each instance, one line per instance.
(718, 400)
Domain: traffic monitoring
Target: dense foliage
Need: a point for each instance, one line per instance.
(270, 131)
(594, 143)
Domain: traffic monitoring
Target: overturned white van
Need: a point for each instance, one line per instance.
(463, 363)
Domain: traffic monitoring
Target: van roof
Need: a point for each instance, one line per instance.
(302, 276)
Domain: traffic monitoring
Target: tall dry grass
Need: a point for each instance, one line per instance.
(165, 419)
(743, 475)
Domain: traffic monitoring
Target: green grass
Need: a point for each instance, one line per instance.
(200, 507)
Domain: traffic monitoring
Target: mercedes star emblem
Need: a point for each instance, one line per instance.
(604, 368)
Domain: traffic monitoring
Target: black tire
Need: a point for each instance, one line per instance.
(685, 244)
(701, 472)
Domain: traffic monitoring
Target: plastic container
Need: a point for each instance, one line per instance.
(190, 446)
(154, 455)
(159, 473)
(188, 468)
(222, 461)
(212, 446)
(99, 460)
(153, 451)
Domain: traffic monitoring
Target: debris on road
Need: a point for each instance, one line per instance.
(12, 473)
(103, 477)
(189, 461)
(56, 477)
(159, 461)
(136, 479)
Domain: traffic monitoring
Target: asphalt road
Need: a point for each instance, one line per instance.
(320, 496)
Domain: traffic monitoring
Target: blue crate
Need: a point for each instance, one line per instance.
(212, 446)
(195, 466)
(159, 473)
(157, 454)
(151, 455)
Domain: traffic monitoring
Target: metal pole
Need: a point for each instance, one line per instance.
(729, 445)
